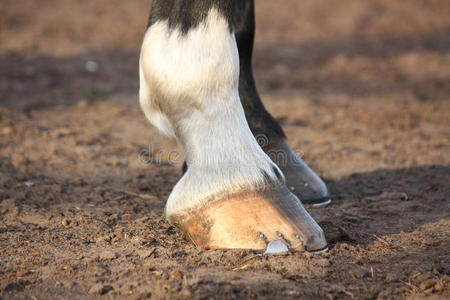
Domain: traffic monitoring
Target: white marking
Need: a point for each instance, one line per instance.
(189, 90)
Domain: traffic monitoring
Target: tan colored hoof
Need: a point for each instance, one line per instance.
(250, 221)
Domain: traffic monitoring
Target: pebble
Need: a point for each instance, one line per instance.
(65, 222)
(7, 130)
(157, 272)
(70, 284)
(175, 274)
(28, 183)
(142, 220)
(424, 285)
(105, 238)
(146, 253)
(323, 262)
(123, 163)
(127, 217)
(100, 289)
(91, 66)
(185, 293)
(107, 254)
(439, 287)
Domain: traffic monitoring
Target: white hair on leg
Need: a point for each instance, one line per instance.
(189, 90)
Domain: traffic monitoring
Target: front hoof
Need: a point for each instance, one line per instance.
(251, 220)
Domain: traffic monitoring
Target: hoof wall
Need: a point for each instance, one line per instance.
(272, 221)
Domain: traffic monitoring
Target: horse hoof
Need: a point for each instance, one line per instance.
(251, 220)
(301, 180)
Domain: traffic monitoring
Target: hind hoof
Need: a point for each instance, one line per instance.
(301, 180)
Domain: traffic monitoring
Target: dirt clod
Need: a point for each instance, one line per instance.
(108, 254)
(175, 274)
(100, 289)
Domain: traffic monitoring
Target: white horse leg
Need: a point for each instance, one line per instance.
(233, 195)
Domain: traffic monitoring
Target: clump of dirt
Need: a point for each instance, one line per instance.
(361, 90)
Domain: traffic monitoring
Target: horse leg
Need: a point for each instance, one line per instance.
(232, 195)
(300, 178)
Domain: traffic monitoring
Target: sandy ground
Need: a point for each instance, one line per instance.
(362, 89)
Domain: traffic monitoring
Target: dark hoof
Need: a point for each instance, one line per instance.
(301, 180)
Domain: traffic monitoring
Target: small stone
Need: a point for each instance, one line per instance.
(391, 277)
(28, 183)
(178, 254)
(424, 285)
(429, 242)
(7, 130)
(293, 292)
(136, 240)
(82, 103)
(439, 287)
(65, 222)
(175, 274)
(185, 293)
(404, 197)
(352, 219)
(17, 286)
(105, 238)
(112, 219)
(46, 272)
(107, 254)
(91, 66)
(123, 163)
(70, 284)
(127, 217)
(348, 247)
(323, 262)
(100, 289)
(158, 272)
(146, 252)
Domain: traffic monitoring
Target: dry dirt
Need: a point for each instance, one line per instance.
(362, 89)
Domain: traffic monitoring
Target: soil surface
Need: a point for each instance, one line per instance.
(362, 89)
